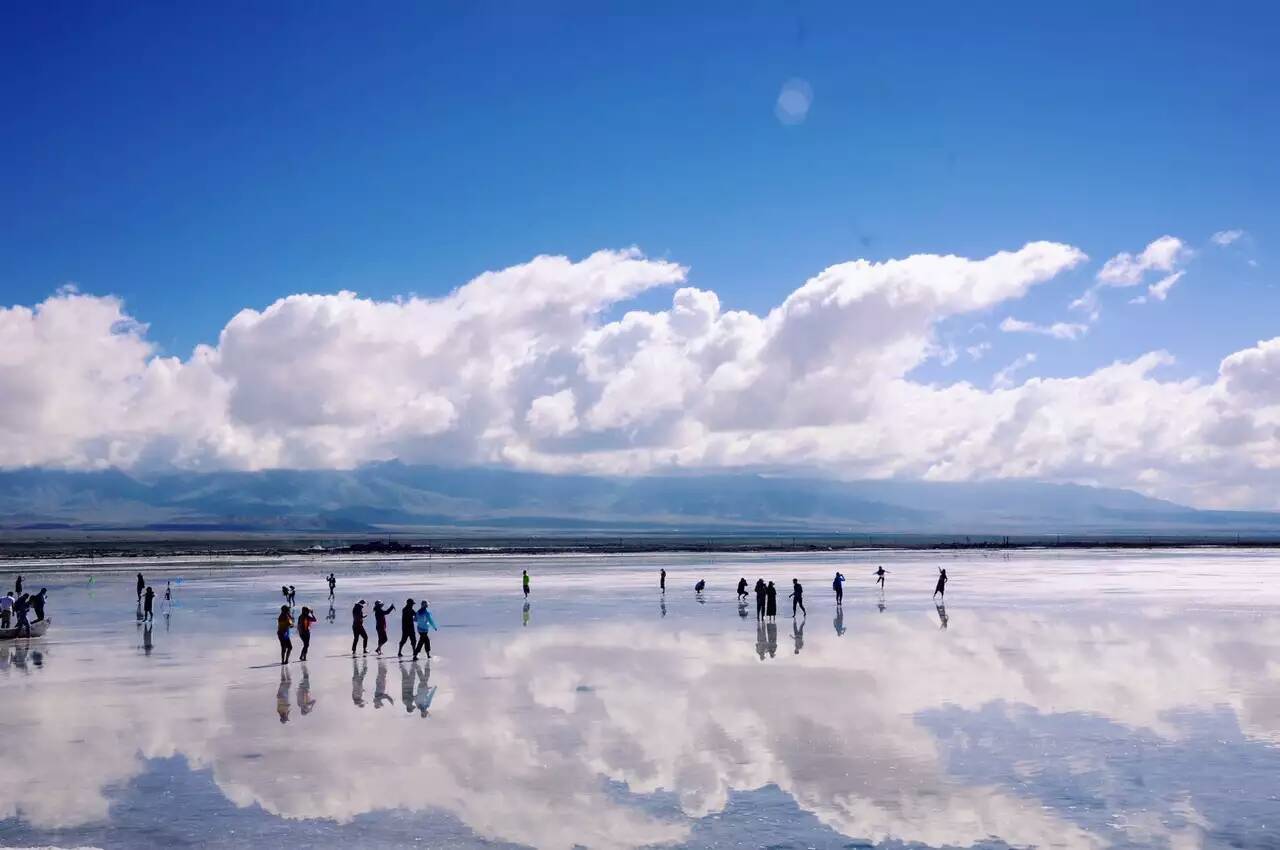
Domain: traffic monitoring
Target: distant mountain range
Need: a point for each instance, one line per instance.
(394, 497)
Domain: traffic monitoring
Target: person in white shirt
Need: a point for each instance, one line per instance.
(6, 609)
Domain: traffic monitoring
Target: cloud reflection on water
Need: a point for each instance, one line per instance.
(519, 737)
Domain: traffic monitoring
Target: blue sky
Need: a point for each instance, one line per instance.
(191, 163)
(197, 161)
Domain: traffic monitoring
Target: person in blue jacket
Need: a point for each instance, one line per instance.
(425, 623)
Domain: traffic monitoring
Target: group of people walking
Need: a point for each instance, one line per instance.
(767, 598)
(417, 621)
(416, 625)
(767, 595)
(17, 606)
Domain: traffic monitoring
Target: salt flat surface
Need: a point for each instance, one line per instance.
(1081, 699)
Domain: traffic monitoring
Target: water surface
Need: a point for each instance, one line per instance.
(1082, 700)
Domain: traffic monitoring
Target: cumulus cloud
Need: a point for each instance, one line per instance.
(1125, 269)
(1166, 254)
(1223, 238)
(1057, 330)
(522, 367)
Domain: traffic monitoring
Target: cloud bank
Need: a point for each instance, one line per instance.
(525, 367)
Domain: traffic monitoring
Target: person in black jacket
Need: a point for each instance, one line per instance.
(761, 593)
(797, 598)
(357, 628)
(37, 603)
(407, 633)
(21, 607)
(770, 600)
(380, 622)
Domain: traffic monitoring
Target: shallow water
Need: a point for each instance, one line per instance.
(1081, 699)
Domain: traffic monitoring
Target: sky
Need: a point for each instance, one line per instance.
(943, 242)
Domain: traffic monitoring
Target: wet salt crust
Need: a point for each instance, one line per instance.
(1080, 700)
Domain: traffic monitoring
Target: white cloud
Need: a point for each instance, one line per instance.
(1159, 290)
(976, 352)
(1125, 269)
(1057, 330)
(520, 368)
(1223, 238)
(553, 415)
(1003, 379)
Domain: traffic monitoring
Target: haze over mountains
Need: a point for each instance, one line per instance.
(393, 496)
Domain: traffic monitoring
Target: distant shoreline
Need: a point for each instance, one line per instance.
(125, 547)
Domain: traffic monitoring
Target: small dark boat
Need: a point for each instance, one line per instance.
(37, 630)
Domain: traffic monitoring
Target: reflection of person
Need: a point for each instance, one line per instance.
(771, 632)
(147, 645)
(941, 587)
(282, 695)
(283, 624)
(762, 642)
(425, 623)
(797, 634)
(357, 628)
(380, 695)
(837, 584)
(305, 619)
(406, 628)
(770, 600)
(305, 701)
(524, 615)
(942, 614)
(797, 597)
(406, 684)
(838, 622)
(358, 668)
(761, 593)
(524, 578)
(426, 691)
